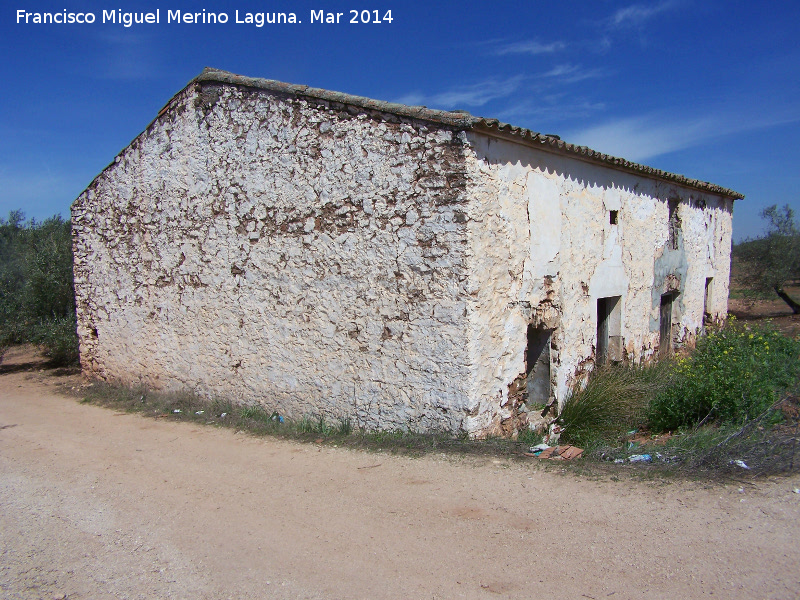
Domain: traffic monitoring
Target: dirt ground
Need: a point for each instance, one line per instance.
(775, 310)
(97, 504)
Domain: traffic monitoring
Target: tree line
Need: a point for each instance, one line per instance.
(37, 297)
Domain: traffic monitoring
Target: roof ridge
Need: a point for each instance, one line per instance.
(464, 120)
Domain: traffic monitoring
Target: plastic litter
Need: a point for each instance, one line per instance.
(177, 410)
(619, 461)
(223, 415)
(276, 417)
(796, 490)
(740, 463)
(640, 458)
(538, 448)
(199, 412)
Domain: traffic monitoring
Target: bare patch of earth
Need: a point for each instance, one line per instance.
(773, 309)
(96, 504)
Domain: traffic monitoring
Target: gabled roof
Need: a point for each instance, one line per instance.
(465, 121)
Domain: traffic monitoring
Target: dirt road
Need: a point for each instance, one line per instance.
(96, 504)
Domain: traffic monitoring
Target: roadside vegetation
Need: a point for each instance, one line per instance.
(731, 404)
(37, 300)
(254, 419)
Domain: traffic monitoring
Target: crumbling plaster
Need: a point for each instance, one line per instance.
(542, 250)
(326, 260)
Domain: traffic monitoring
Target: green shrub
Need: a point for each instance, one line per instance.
(734, 374)
(37, 302)
(58, 339)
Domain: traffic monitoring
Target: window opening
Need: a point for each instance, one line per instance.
(613, 215)
(674, 224)
(707, 318)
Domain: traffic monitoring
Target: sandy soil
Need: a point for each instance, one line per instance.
(95, 504)
(774, 310)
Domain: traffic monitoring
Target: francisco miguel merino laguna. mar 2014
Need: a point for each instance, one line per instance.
(128, 19)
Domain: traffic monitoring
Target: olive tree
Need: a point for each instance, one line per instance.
(772, 262)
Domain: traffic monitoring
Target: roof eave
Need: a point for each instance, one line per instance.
(555, 145)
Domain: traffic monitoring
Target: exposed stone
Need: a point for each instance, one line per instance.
(350, 259)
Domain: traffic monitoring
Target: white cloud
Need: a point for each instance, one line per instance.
(643, 137)
(531, 47)
(549, 111)
(573, 73)
(637, 14)
(476, 94)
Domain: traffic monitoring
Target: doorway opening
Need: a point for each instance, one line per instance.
(537, 365)
(609, 330)
(665, 342)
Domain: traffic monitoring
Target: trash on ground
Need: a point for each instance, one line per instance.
(570, 452)
(199, 412)
(223, 415)
(740, 463)
(276, 417)
(538, 448)
(177, 410)
(640, 458)
(555, 452)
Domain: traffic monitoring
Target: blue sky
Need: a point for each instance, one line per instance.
(710, 90)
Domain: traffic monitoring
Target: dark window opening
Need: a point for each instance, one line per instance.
(665, 342)
(674, 224)
(609, 329)
(613, 215)
(707, 318)
(537, 365)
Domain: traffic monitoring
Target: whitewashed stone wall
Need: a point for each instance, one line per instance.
(332, 261)
(282, 251)
(542, 250)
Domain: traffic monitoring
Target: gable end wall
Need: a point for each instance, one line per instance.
(284, 251)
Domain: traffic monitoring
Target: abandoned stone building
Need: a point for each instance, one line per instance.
(339, 257)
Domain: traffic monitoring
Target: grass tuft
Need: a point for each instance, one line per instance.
(613, 400)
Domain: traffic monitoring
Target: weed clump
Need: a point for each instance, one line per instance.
(734, 375)
(613, 400)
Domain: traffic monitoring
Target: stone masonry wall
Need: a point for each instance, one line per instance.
(284, 251)
(543, 250)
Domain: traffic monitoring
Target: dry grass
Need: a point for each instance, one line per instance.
(613, 400)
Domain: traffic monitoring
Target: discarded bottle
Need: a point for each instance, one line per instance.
(640, 458)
